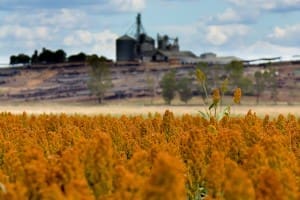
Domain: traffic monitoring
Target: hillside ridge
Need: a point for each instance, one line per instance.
(68, 82)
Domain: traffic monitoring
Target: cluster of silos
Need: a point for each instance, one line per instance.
(165, 44)
(139, 47)
(131, 49)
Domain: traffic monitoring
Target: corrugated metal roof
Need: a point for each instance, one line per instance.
(190, 57)
(211, 60)
(177, 54)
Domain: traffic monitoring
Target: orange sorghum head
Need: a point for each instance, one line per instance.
(216, 95)
(237, 95)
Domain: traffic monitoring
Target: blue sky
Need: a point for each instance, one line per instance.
(242, 28)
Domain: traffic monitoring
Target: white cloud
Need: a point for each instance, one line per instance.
(268, 4)
(215, 36)
(262, 49)
(185, 31)
(101, 43)
(80, 37)
(88, 6)
(229, 15)
(278, 33)
(221, 34)
(58, 19)
(24, 33)
(105, 44)
(286, 35)
(128, 5)
(262, 4)
(234, 15)
(63, 18)
(16, 39)
(245, 11)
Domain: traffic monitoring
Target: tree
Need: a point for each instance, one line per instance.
(19, 59)
(48, 56)
(45, 56)
(23, 58)
(168, 84)
(246, 85)
(184, 89)
(60, 56)
(35, 57)
(81, 57)
(235, 69)
(13, 60)
(100, 79)
(259, 84)
(212, 73)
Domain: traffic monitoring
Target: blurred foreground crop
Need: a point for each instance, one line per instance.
(59, 156)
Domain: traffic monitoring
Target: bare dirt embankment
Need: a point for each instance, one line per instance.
(68, 82)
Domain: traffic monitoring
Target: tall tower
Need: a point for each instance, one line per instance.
(138, 25)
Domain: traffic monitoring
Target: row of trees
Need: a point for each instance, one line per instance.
(170, 86)
(100, 81)
(47, 56)
(226, 78)
(202, 81)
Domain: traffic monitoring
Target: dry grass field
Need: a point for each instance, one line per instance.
(136, 109)
(144, 106)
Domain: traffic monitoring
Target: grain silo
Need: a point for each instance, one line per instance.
(145, 46)
(126, 48)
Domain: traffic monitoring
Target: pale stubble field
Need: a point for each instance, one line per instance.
(119, 109)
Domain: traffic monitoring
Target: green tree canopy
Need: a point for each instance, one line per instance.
(168, 84)
(35, 57)
(59, 56)
(235, 70)
(184, 89)
(100, 77)
(19, 59)
(81, 57)
(48, 56)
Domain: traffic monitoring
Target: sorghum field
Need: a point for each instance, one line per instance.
(159, 156)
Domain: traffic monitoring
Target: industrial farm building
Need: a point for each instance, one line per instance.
(140, 47)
